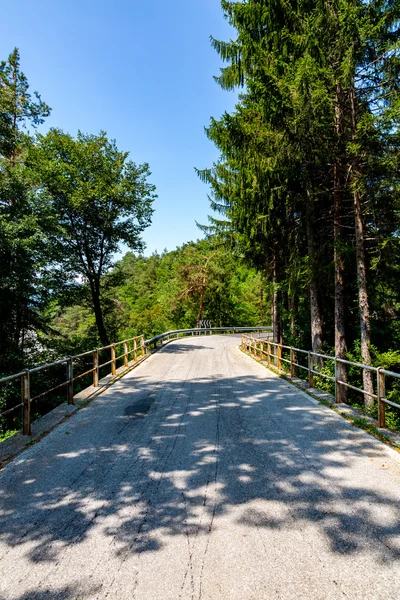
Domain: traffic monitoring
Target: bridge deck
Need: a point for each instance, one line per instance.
(201, 475)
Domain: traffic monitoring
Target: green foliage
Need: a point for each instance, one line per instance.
(315, 129)
(99, 199)
(148, 295)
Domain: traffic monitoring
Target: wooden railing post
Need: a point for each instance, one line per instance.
(70, 380)
(292, 361)
(134, 350)
(96, 368)
(261, 349)
(310, 373)
(381, 395)
(143, 348)
(26, 399)
(279, 364)
(113, 362)
(268, 353)
(338, 387)
(126, 361)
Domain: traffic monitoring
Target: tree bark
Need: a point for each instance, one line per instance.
(275, 310)
(276, 304)
(315, 312)
(363, 303)
(98, 313)
(338, 186)
(201, 305)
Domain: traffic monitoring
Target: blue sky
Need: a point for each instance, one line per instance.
(141, 71)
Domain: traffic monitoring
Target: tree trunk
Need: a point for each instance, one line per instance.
(365, 328)
(275, 305)
(315, 312)
(98, 313)
(338, 186)
(201, 305)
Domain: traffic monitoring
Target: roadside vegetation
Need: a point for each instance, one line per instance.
(305, 198)
(307, 183)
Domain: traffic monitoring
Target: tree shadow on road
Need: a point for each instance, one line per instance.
(163, 455)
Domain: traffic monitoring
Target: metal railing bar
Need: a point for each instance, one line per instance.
(82, 355)
(53, 389)
(390, 402)
(325, 356)
(390, 373)
(319, 374)
(53, 364)
(300, 366)
(356, 389)
(83, 374)
(303, 351)
(105, 364)
(10, 410)
(354, 364)
(11, 377)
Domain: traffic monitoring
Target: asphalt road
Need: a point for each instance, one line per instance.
(201, 475)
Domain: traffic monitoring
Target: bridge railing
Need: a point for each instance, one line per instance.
(177, 333)
(87, 364)
(126, 351)
(314, 362)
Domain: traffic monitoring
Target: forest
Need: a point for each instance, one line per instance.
(307, 183)
(305, 201)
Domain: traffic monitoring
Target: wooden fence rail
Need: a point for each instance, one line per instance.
(130, 347)
(262, 349)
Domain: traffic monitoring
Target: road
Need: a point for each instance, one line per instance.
(200, 475)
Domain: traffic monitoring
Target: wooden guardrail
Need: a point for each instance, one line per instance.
(134, 347)
(262, 349)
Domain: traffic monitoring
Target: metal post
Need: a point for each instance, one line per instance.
(381, 395)
(279, 365)
(70, 380)
(26, 399)
(292, 361)
(126, 361)
(113, 362)
(96, 368)
(310, 373)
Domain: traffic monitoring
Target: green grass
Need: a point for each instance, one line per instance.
(7, 434)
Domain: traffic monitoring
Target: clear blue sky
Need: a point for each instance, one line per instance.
(141, 71)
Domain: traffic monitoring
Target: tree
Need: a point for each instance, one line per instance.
(321, 95)
(195, 277)
(24, 256)
(99, 198)
(17, 108)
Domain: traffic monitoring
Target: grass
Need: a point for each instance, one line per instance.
(8, 434)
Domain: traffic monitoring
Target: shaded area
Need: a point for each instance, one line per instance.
(170, 451)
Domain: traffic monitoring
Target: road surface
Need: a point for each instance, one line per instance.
(202, 476)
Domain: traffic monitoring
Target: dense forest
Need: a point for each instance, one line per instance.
(308, 180)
